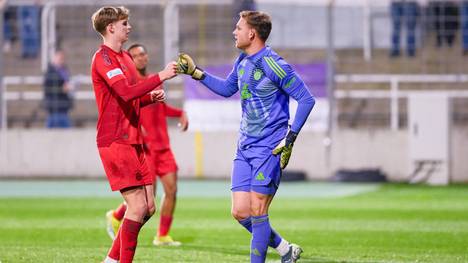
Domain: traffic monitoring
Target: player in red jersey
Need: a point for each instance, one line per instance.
(119, 97)
(160, 158)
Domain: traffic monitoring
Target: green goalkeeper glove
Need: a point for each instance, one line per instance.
(186, 65)
(285, 148)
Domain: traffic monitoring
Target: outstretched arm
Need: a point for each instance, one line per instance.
(113, 75)
(223, 87)
(128, 92)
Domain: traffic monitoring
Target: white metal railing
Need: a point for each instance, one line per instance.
(76, 80)
(393, 92)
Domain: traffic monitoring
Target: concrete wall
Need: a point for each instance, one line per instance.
(305, 26)
(64, 153)
(459, 165)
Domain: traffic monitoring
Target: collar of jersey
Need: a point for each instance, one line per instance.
(111, 50)
(259, 54)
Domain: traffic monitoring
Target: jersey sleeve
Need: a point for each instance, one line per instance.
(146, 100)
(224, 87)
(172, 111)
(284, 76)
(109, 70)
(129, 92)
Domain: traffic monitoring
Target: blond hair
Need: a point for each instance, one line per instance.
(107, 15)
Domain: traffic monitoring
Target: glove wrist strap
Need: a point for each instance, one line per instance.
(291, 137)
(198, 74)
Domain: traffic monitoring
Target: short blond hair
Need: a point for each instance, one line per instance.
(107, 15)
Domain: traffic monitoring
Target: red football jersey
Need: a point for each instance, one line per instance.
(153, 120)
(118, 96)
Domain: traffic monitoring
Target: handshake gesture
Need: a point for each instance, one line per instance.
(186, 65)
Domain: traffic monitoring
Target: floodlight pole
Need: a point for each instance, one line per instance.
(171, 31)
(328, 142)
(48, 34)
(2, 88)
(367, 36)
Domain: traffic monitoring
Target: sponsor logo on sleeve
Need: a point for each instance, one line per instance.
(115, 72)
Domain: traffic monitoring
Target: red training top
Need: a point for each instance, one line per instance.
(118, 96)
(153, 120)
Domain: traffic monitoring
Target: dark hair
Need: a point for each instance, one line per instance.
(260, 21)
(137, 45)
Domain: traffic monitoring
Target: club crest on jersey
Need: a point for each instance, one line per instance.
(107, 60)
(115, 72)
(258, 74)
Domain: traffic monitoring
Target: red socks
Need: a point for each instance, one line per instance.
(120, 212)
(114, 252)
(164, 225)
(129, 238)
(124, 246)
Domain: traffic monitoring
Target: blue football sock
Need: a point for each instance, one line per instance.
(247, 223)
(261, 232)
(275, 238)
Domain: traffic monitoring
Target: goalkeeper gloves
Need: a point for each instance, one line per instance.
(285, 148)
(186, 65)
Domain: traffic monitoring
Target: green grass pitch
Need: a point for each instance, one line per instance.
(396, 223)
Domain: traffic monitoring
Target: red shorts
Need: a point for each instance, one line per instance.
(160, 162)
(125, 166)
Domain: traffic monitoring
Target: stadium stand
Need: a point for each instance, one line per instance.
(205, 30)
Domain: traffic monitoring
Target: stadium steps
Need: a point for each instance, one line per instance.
(79, 41)
(14, 64)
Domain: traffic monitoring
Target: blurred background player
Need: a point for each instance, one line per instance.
(119, 96)
(266, 82)
(159, 155)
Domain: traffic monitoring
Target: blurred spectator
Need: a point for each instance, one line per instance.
(57, 87)
(464, 21)
(407, 13)
(29, 29)
(8, 25)
(445, 15)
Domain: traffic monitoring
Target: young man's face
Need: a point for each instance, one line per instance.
(121, 29)
(140, 57)
(243, 34)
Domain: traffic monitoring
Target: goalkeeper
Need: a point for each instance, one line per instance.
(265, 144)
